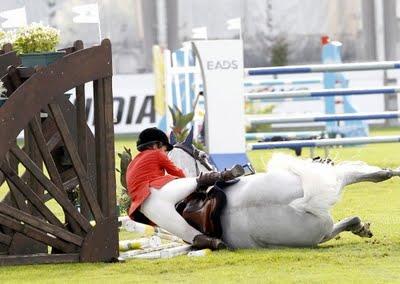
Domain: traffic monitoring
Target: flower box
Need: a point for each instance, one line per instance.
(40, 59)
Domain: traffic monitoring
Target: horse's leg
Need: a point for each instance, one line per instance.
(358, 172)
(159, 207)
(352, 224)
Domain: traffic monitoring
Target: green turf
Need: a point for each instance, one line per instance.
(348, 259)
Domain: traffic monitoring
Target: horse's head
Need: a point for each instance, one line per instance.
(186, 156)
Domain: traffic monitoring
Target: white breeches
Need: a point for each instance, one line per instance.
(159, 207)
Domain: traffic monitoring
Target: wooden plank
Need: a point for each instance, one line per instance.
(47, 158)
(68, 175)
(29, 194)
(55, 189)
(25, 72)
(99, 117)
(34, 154)
(81, 125)
(76, 161)
(36, 234)
(53, 141)
(37, 134)
(39, 259)
(14, 76)
(109, 194)
(110, 188)
(2, 178)
(40, 224)
(18, 197)
(71, 184)
(7, 59)
(5, 239)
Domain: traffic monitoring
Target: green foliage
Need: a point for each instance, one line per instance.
(179, 127)
(6, 37)
(124, 200)
(36, 38)
(279, 52)
(180, 121)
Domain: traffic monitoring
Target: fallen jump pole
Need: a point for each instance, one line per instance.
(273, 82)
(321, 93)
(324, 142)
(288, 134)
(321, 118)
(383, 65)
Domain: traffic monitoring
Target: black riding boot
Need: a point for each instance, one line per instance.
(209, 179)
(204, 241)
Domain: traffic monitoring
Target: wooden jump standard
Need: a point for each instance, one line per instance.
(60, 157)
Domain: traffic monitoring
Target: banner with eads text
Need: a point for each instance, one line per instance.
(133, 103)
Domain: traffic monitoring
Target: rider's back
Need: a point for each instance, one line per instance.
(149, 168)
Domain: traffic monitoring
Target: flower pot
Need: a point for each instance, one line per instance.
(40, 59)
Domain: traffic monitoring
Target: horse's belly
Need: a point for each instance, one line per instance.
(259, 215)
(273, 226)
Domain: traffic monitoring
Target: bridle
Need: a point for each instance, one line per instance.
(196, 155)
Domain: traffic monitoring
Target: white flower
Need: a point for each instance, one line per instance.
(36, 38)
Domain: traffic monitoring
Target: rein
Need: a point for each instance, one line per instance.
(195, 154)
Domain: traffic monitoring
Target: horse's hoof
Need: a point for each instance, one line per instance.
(364, 231)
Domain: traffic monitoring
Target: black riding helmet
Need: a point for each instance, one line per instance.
(150, 136)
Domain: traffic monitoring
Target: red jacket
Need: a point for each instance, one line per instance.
(147, 170)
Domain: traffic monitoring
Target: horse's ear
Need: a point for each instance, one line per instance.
(172, 138)
(189, 139)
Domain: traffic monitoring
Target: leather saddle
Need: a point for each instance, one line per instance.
(202, 210)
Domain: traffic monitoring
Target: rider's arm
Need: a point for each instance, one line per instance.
(169, 166)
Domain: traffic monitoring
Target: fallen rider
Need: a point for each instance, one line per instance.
(155, 185)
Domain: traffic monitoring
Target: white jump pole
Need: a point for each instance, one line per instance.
(321, 93)
(324, 142)
(317, 68)
(221, 63)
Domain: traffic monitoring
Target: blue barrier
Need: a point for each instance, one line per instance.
(287, 134)
(321, 93)
(335, 117)
(274, 82)
(324, 142)
(319, 68)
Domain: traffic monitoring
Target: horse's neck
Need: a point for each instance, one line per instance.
(189, 165)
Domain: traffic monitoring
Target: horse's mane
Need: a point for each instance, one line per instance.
(184, 161)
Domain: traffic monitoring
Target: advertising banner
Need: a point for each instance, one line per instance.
(133, 103)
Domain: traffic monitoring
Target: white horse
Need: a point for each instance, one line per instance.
(289, 204)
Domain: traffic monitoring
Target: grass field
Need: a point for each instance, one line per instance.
(348, 259)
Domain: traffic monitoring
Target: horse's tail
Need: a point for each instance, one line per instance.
(320, 183)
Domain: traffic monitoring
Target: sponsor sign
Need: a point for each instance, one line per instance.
(133, 103)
